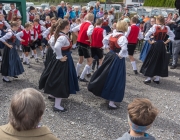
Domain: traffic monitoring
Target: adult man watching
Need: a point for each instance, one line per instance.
(53, 12)
(62, 10)
(96, 9)
(3, 12)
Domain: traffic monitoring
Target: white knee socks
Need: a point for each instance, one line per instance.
(58, 103)
(42, 54)
(134, 65)
(86, 68)
(78, 67)
(149, 78)
(111, 103)
(32, 53)
(157, 78)
(45, 51)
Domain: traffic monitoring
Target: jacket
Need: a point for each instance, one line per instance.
(52, 15)
(127, 136)
(61, 13)
(7, 132)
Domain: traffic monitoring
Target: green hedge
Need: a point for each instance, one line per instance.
(160, 3)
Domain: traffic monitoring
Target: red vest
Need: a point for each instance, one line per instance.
(82, 36)
(48, 25)
(19, 29)
(160, 34)
(105, 22)
(97, 37)
(38, 30)
(133, 35)
(31, 17)
(113, 42)
(12, 15)
(26, 37)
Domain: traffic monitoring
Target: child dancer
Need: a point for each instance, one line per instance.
(61, 67)
(4, 26)
(141, 115)
(34, 37)
(156, 61)
(74, 37)
(97, 38)
(11, 64)
(109, 80)
(84, 39)
(31, 14)
(18, 43)
(133, 34)
(106, 23)
(39, 29)
(25, 35)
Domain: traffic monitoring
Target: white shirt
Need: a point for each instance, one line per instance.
(61, 42)
(104, 31)
(89, 31)
(42, 22)
(152, 30)
(7, 36)
(72, 26)
(6, 24)
(122, 41)
(46, 32)
(140, 35)
(52, 42)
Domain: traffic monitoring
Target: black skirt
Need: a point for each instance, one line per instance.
(59, 78)
(156, 61)
(49, 56)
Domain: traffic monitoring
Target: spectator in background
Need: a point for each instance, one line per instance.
(3, 12)
(96, 10)
(91, 9)
(53, 12)
(26, 110)
(127, 12)
(148, 25)
(141, 26)
(169, 19)
(176, 18)
(70, 13)
(41, 13)
(84, 11)
(100, 14)
(177, 5)
(111, 18)
(141, 18)
(146, 19)
(77, 12)
(62, 10)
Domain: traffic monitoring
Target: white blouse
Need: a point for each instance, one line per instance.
(122, 41)
(61, 42)
(89, 31)
(46, 32)
(52, 42)
(152, 30)
(7, 36)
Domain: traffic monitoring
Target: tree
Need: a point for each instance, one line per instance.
(159, 3)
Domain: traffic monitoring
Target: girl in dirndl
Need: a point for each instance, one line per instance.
(11, 63)
(109, 80)
(59, 78)
(156, 62)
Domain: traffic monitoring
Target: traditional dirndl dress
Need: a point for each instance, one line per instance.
(11, 63)
(59, 78)
(49, 56)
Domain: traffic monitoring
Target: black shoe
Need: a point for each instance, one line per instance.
(170, 64)
(78, 77)
(51, 98)
(173, 66)
(147, 82)
(6, 81)
(157, 82)
(135, 72)
(58, 110)
(88, 75)
(83, 80)
(15, 76)
(37, 60)
(112, 108)
(25, 63)
(32, 56)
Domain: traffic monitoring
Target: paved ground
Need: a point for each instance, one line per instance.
(88, 117)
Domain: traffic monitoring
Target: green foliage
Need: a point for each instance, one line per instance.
(160, 3)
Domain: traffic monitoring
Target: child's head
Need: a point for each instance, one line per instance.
(31, 26)
(121, 26)
(83, 9)
(26, 109)
(37, 16)
(141, 115)
(36, 21)
(32, 9)
(99, 22)
(19, 22)
(48, 18)
(73, 20)
(53, 20)
(90, 17)
(66, 17)
(14, 25)
(133, 20)
(69, 7)
(160, 20)
(27, 26)
(46, 10)
(78, 21)
(105, 14)
(142, 24)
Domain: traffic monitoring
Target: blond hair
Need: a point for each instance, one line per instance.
(90, 17)
(121, 26)
(161, 19)
(26, 110)
(142, 112)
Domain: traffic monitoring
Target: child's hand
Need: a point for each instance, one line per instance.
(10, 46)
(22, 40)
(63, 59)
